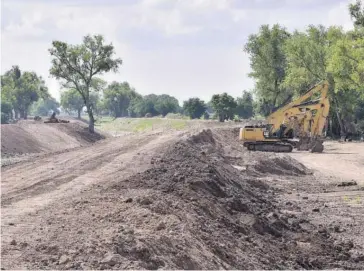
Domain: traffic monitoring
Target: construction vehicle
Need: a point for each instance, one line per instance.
(303, 119)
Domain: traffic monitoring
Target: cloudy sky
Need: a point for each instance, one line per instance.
(179, 47)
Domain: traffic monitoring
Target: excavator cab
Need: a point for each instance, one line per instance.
(262, 138)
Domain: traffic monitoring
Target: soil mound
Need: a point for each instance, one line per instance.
(34, 137)
(279, 165)
(191, 210)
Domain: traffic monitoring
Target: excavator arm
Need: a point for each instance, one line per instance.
(279, 117)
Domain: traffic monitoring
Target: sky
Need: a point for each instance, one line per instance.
(184, 48)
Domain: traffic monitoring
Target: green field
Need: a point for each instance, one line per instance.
(110, 124)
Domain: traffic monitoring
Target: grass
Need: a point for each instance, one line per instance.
(110, 124)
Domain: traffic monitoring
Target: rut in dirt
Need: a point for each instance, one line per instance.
(191, 210)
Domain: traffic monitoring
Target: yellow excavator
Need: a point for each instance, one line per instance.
(304, 118)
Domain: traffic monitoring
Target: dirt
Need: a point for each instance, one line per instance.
(30, 136)
(177, 200)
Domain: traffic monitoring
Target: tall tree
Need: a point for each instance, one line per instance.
(347, 60)
(194, 108)
(118, 98)
(357, 12)
(78, 65)
(308, 57)
(224, 105)
(244, 107)
(268, 63)
(21, 89)
(166, 104)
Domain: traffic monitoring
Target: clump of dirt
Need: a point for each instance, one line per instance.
(279, 165)
(33, 137)
(191, 210)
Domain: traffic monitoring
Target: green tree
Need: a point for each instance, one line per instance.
(118, 98)
(78, 65)
(166, 104)
(245, 105)
(268, 64)
(347, 61)
(21, 89)
(43, 106)
(194, 108)
(71, 100)
(6, 112)
(224, 106)
(357, 13)
(308, 56)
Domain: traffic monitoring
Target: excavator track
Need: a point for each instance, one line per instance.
(269, 147)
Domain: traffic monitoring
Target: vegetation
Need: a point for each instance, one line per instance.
(20, 89)
(224, 106)
(284, 65)
(194, 108)
(245, 105)
(45, 107)
(78, 65)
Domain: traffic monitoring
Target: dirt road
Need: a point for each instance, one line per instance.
(342, 161)
(168, 200)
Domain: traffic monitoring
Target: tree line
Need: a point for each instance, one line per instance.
(285, 64)
(117, 99)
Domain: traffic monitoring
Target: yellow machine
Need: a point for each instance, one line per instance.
(303, 118)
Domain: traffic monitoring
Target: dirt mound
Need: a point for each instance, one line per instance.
(34, 137)
(191, 210)
(280, 165)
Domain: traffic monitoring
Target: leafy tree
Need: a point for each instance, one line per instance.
(21, 89)
(6, 112)
(245, 106)
(224, 105)
(43, 106)
(153, 104)
(357, 13)
(308, 56)
(71, 100)
(347, 61)
(268, 64)
(166, 104)
(194, 108)
(78, 65)
(118, 98)
(146, 105)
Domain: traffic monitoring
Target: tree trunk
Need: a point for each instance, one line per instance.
(16, 114)
(21, 114)
(25, 115)
(79, 113)
(342, 128)
(91, 123)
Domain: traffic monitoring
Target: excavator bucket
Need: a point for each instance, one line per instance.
(303, 144)
(317, 146)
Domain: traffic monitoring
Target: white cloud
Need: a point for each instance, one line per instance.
(180, 47)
